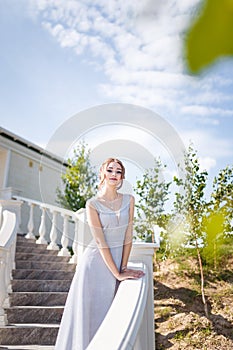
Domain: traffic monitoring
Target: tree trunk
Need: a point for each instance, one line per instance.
(202, 280)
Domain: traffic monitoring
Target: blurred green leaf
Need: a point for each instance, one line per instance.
(210, 36)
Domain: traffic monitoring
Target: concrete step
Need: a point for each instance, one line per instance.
(42, 275)
(35, 250)
(39, 265)
(26, 334)
(34, 314)
(22, 238)
(27, 347)
(40, 257)
(38, 298)
(27, 243)
(40, 286)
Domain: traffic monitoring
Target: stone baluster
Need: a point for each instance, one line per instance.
(3, 288)
(30, 233)
(42, 228)
(157, 233)
(83, 235)
(64, 239)
(9, 268)
(74, 258)
(53, 233)
(8, 276)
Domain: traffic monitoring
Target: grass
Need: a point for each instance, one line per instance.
(180, 321)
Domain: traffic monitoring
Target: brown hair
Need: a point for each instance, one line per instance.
(104, 166)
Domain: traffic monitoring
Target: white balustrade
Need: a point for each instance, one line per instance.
(42, 228)
(75, 245)
(3, 288)
(125, 316)
(144, 252)
(82, 232)
(64, 239)
(30, 233)
(10, 218)
(53, 233)
(9, 268)
(54, 238)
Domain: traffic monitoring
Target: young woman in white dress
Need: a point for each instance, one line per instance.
(104, 262)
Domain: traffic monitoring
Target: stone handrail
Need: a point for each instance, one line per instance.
(121, 325)
(8, 230)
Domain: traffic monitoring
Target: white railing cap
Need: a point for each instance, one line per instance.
(8, 228)
(124, 316)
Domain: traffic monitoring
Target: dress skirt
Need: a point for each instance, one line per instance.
(93, 286)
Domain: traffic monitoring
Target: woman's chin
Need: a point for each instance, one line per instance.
(113, 183)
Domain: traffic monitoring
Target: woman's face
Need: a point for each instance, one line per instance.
(113, 174)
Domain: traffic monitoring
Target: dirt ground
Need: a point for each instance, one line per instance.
(180, 321)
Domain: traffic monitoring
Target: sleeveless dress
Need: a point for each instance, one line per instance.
(93, 286)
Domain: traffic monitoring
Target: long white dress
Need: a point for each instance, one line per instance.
(94, 286)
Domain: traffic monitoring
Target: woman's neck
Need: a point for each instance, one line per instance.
(109, 194)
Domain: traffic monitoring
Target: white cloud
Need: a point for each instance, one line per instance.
(144, 97)
(208, 144)
(139, 46)
(206, 163)
(206, 111)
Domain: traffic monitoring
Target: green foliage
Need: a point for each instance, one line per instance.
(210, 36)
(79, 180)
(213, 227)
(197, 222)
(190, 204)
(222, 196)
(153, 192)
(218, 222)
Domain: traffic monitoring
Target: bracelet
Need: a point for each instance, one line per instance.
(123, 268)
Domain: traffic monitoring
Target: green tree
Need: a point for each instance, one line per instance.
(218, 223)
(190, 205)
(80, 180)
(222, 194)
(152, 192)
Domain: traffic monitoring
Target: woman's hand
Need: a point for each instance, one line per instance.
(130, 274)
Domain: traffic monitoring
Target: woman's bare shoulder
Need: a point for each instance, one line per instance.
(131, 197)
(91, 202)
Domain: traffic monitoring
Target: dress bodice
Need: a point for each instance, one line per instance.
(114, 222)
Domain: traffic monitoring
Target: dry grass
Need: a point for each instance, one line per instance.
(180, 322)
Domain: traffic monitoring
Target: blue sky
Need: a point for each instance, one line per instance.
(61, 57)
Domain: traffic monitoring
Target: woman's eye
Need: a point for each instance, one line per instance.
(119, 172)
(109, 170)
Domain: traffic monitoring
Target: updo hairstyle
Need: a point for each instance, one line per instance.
(105, 165)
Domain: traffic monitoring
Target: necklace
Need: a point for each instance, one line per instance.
(111, 204)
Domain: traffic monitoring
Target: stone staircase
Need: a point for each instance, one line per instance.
(40, 286)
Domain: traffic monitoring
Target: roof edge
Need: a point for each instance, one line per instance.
(25, 143)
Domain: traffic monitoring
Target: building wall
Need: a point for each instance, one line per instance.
(3, 162)
(29, 174)
(33, 179)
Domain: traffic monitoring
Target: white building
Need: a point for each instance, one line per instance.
(28, 170)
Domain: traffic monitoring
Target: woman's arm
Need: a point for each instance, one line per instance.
(97, 232)
(128, 243)
(128, 236)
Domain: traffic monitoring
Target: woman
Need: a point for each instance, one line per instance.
(104, 262)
